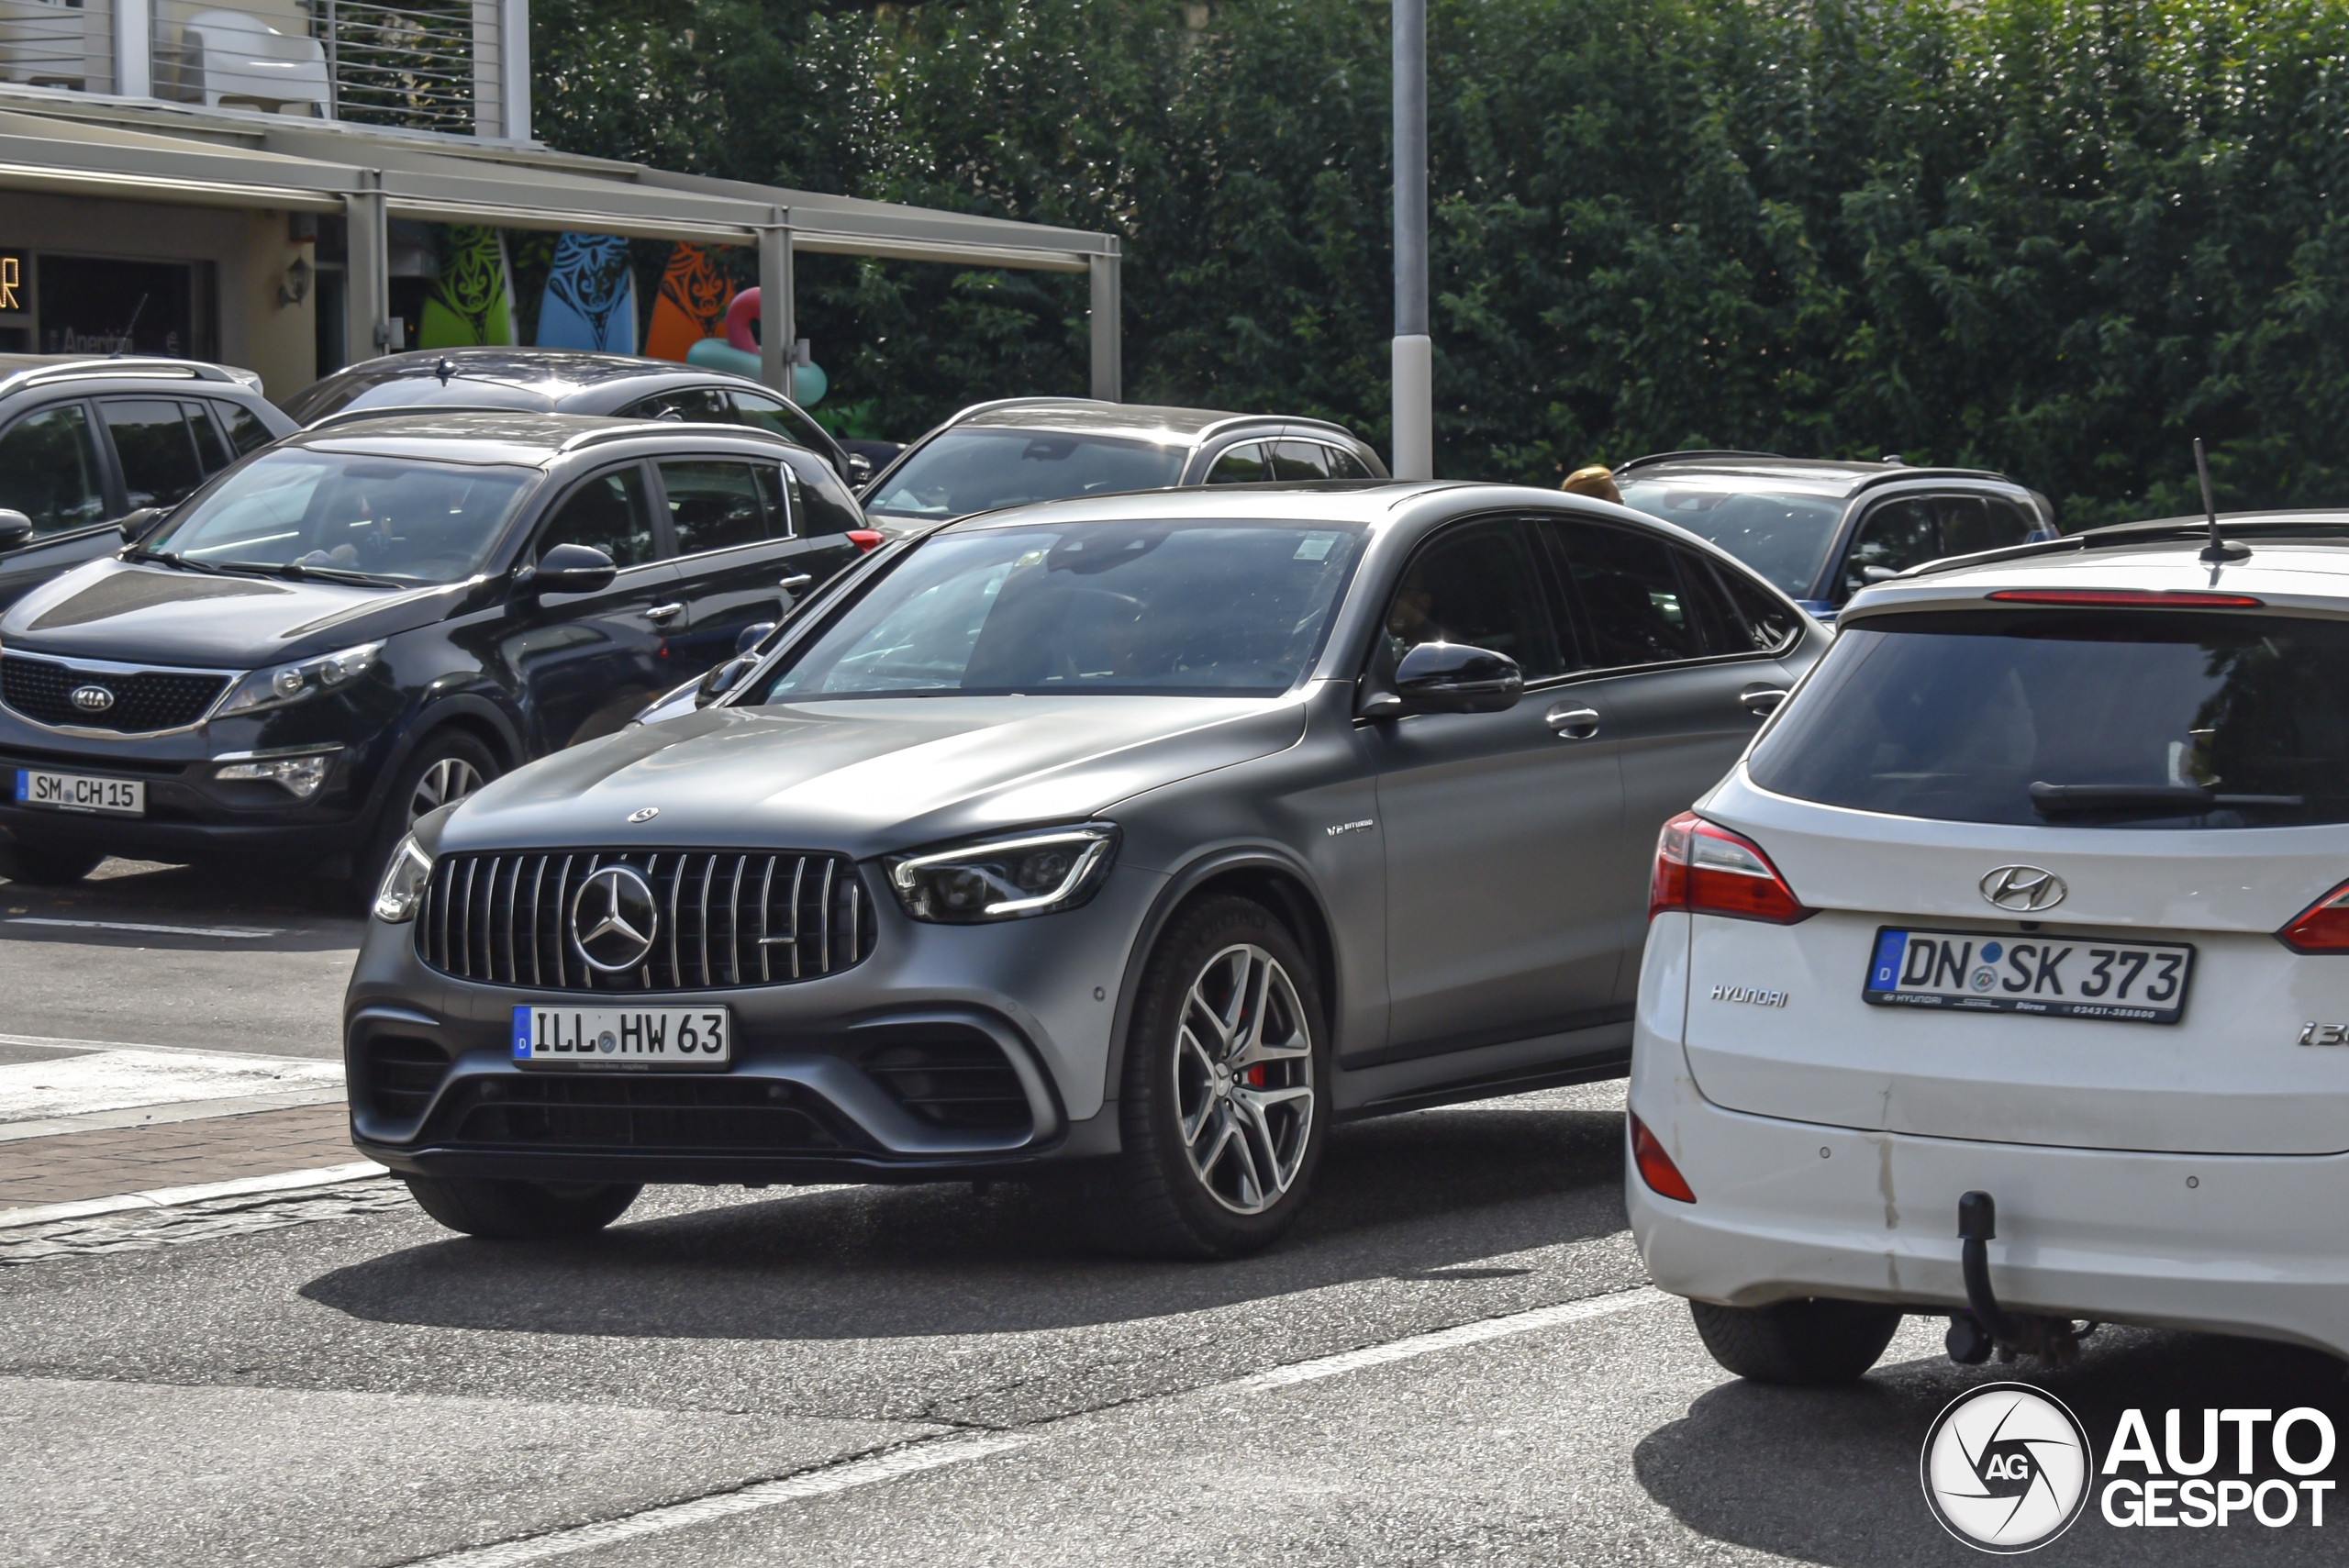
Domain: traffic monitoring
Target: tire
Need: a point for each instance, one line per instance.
(1807, 1342)
(44, 867)
(518, 1211)
(1217, 1163)
(449, 764)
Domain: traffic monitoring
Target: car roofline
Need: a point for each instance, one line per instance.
(2163, 530)
(118, 370)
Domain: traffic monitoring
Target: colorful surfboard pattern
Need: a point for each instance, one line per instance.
(472, 301)
(590, 300)
(691, 306)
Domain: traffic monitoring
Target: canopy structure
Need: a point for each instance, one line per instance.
(129, 149)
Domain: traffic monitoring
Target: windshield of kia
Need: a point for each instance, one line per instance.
(2109, 718)
(300, 512)
(1784, 535)
(964, 472)
(1173, 609)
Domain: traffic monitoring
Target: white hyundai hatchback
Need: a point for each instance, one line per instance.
(2008, 976)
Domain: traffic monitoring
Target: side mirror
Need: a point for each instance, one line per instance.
(16, 528)
(860, 470)
(567, 569)
(753, 635)
(135, 525)
(723, 679)
(1453, 677)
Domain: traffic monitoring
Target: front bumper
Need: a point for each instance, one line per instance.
(2255, 1245)
(950, 1050)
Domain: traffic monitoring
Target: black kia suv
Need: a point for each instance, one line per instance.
(358, 624)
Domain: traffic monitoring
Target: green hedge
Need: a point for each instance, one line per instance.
(2048, 236)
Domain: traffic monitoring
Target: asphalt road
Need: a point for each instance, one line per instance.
(935, 1375)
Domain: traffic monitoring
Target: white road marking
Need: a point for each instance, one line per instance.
(173, 1197)
(242, 932)
(61, 1042)
(1448, 1339)
(932, 1453)
(128, 1076)
(173, 1111)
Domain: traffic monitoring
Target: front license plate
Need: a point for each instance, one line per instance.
(623, 1036)
(2067, 977)
(78, 792)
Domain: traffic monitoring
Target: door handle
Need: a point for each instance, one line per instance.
(663, 613)
(1572, 723)
(795, 581)
(1760, 700)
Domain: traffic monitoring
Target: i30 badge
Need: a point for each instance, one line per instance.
(614, 920)
(2023, 890)
(91, 699)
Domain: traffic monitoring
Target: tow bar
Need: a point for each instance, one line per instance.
(1974, 1334)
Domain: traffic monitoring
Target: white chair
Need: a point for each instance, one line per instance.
(232, 58)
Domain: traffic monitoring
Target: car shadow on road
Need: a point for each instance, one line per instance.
(1405, 1196)
(1831, 1475)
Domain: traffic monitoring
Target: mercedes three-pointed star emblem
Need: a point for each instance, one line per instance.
(614, 920)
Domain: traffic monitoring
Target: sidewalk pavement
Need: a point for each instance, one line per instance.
(70, 1166)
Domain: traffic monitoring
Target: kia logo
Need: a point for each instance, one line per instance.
(2023, 890)
(614, 920)
(91, 699)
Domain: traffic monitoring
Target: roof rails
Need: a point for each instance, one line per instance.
(2184, 530)
(637, 427)
(128, 367)
(962, 414)
(1693, 451)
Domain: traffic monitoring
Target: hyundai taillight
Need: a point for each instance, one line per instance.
(1711, 870)
(1656, 1169)
(2322, 927)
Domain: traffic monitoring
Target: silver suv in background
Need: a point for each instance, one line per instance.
(1022, 450)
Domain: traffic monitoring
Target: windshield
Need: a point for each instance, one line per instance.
(1783, 537)
(1190, 608)
(2129, 719)
(394, 518)
(976, 470)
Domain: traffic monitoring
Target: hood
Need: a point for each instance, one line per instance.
(140, 614)
(867, 776)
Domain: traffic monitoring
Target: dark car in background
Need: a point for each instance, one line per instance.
(85, 443)
(1820, 531)
(1022, 450)
(568, 381)
(364, 622)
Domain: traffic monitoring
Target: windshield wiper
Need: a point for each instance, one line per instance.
(298, 572)
(2059, 800)
(168, 559)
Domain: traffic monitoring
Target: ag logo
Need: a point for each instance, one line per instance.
(2005, 1468)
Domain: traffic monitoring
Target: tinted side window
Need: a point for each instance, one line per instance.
(210, 448)
(1241, 465)
(1757, 622)
(607, 513)
(246, 432)
(1630, 595)
(774, 414)
(1343, 464)
(1300, 459)
(48, 470)
(159, 467)
(1475, 584)
(1912, 531)
(826, 507)
(714, 505)
(693, 404)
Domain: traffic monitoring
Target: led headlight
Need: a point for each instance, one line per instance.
(297, 772)
(293, 683)
(1039, 871)
(401, 892)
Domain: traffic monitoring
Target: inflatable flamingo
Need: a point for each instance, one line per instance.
(738, 352)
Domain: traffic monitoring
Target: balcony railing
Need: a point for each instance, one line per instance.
(58, 43)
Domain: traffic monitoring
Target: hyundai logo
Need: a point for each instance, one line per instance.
(91, 699)
(2023, 890)
(614, 920)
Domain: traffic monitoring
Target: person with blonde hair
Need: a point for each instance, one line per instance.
(1598, 480)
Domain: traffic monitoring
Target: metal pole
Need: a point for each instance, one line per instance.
(367, 285)
(1109, 353)
(1414, 352)
(778, 313)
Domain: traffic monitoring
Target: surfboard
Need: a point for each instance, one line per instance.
(590, 299)
(473, 299)
(692, 305)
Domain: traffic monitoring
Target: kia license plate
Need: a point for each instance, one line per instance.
(78, 792)
(2064, 977)
(623, 1036)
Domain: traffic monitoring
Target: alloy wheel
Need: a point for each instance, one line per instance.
(450, 778)
(1243, 1079)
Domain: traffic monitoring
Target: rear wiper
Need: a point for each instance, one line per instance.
(168, 559)
(2058, 800)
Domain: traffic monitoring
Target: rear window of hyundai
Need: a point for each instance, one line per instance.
(2118, 718)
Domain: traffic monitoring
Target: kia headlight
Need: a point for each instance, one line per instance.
(1039, 871)
(295, 682)
(401, 892)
